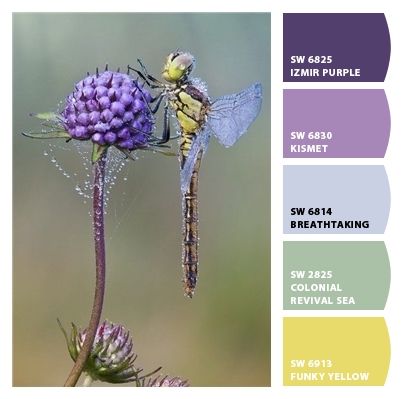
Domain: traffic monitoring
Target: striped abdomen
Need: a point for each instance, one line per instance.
(190, 261)
(190, 106)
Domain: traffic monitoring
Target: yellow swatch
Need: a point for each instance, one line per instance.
(335, 351)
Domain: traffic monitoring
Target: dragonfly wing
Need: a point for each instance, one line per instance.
(200, 143)
(231, 116)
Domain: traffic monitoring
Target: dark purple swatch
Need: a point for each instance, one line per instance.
(354, 42)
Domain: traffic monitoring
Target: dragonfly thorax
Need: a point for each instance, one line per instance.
(190, 106)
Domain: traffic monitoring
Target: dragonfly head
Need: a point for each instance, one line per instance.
(178, 66)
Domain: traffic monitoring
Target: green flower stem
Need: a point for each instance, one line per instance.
(99, 240)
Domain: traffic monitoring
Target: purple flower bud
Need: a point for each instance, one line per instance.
(137, 106)
(94, 117)
(101, 127)
(83, 119)
(138, 93)
(124, 133)
(88, 92)
(104, 102)
(141, 118)
(80, 106)
(88, 81)
(138, 140)
(117, 80)
(98, 138)
(147, 126)
(114, 94)
(127, 144)
(116, 123)
(111, 358)
(106, 115)
(92, 105)
(81, 132)
(137, 126)
(71, 120)
(126, 99)
(127, 89)
(101, 91)
(70, 106)
(104, 79)
(110, 138)
(78, 94)
(117, 108)
(127, 116)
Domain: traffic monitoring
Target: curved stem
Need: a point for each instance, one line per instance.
(99, 240)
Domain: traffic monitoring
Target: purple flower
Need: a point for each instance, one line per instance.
(108, 108)
(102, 106)
(111, 358)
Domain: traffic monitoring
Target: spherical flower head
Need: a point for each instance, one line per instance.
(167, 381)
(110, 109)
(111, 358)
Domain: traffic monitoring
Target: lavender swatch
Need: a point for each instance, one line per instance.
(335, 199)
(335, 123)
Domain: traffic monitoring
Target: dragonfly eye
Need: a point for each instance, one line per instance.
(178, 66)
(174, 55)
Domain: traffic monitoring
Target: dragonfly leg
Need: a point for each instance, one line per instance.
(166, 128)
(150, 77)
(159, 98)
(146, 79)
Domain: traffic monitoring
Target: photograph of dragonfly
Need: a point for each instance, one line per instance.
(146, 103)
(227, 118)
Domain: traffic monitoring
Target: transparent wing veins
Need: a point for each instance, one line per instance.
(231, 116)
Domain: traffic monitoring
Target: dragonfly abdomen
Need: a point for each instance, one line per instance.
(186, 141)
(190, 260)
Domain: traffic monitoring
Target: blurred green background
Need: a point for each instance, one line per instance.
(222, 336)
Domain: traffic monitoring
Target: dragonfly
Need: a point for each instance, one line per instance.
(198, 118)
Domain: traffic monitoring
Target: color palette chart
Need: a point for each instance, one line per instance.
(328, 282)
